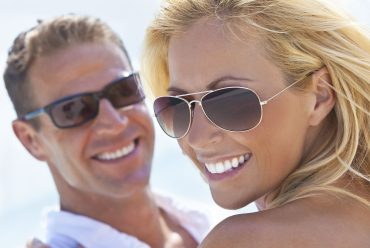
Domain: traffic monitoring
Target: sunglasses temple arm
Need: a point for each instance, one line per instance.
(33, 114)
(282, 91)
(195, 93)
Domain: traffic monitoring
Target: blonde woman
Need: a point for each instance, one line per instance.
(270, 99)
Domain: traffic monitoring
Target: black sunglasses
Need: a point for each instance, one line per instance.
(75, 110)
(235, 109)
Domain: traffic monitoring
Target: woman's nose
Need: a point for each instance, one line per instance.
(202, 131)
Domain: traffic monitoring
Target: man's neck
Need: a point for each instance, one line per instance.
(137, 215)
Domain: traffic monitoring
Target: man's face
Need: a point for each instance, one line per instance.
(109, 155)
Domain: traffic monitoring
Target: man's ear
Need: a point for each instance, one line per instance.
(28, 136)
(325, 96)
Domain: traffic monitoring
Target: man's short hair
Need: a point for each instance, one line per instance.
(44, 39)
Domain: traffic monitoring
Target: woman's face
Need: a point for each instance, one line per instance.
(208, 56)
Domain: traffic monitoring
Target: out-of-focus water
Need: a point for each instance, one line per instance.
(25, 184)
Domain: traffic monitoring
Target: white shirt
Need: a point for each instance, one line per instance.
(68, 230)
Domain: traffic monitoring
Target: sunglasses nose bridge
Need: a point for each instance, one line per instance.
(192, 107)
(191, 110)
(98, 96)
(195, 101)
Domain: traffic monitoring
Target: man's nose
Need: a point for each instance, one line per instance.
(202, 131)
(109, 121)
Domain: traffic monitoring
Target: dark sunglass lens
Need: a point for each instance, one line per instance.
(75, 111)
(234, 109)
(124, 92)
(173, 115)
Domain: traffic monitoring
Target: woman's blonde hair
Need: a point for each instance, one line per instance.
(300, 37)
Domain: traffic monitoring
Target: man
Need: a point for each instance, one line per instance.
(80, 109)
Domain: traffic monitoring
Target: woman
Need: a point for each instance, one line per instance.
(270, 99)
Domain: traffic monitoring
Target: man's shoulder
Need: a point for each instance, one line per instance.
(195, 217)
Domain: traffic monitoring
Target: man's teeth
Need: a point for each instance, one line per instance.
(226, 165)
(117, 154)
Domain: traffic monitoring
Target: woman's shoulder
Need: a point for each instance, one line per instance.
(311, 222)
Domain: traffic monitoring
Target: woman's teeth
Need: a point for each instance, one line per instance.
(117, 154)
(226, 165)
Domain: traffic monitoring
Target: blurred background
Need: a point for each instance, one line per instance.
(26, 186)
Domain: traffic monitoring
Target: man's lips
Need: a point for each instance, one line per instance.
(118, 153)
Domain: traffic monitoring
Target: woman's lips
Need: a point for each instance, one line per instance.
(226, 168)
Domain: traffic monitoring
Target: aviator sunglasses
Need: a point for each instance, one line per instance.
(235, 109)
(75, 110)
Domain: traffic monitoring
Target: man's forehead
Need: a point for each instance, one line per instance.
(81, 68)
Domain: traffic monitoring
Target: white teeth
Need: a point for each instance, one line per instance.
(226, 165)
(235, 162)
(117, 154)
(220, 167)
(211, 168)
(241, 159)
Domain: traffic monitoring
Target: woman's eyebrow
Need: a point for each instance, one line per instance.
(212, 85)
(177, 90)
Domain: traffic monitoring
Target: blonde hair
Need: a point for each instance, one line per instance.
(300, 37)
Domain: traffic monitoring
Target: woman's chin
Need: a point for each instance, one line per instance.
(229, 202)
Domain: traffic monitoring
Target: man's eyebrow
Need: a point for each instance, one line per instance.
(212, 85)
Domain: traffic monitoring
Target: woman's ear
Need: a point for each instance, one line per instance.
(28, 136)
(325, 96)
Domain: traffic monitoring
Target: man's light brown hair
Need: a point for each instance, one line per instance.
(44, 39)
